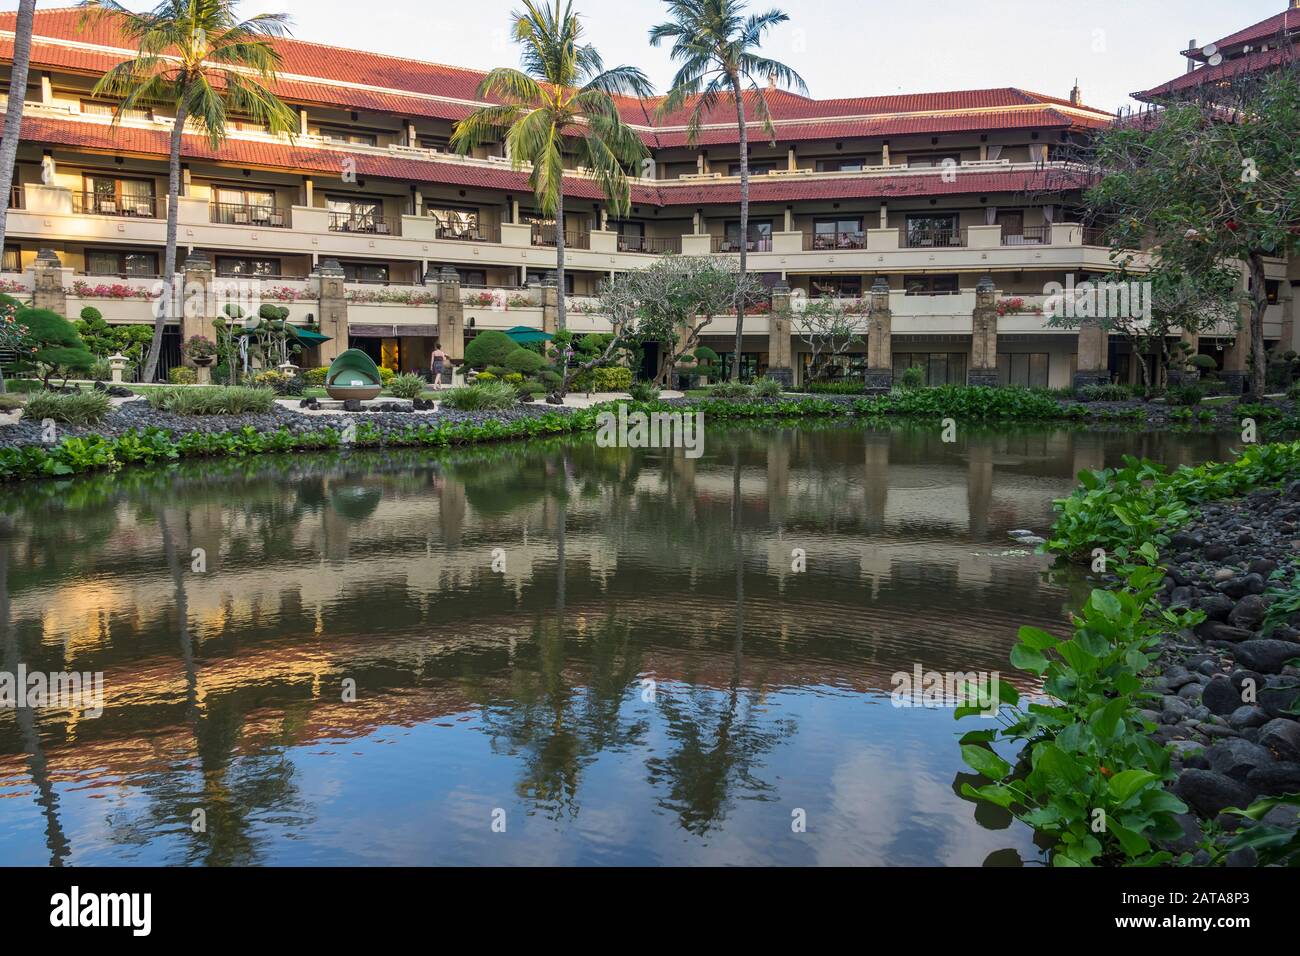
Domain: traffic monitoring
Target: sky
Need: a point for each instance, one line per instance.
(840, 47)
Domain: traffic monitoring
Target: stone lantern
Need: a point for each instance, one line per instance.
(118, 363)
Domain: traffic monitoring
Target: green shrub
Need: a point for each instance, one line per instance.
(9, 403)
(1185, 395)
(514, 378)
(486, 377)
(644, 392)
(524, 361)
(767, 388)
(182, 375)
(77, 408)
(847, 387)
(530, 388)
(59, 349)
(408, 386)
(1293, 392)
(731, 390)
(315, 377)
(481, 396)
(1104, 393)
(615, 378)
(217, 400)
(912, 378)
(489, 348)
(284, 384)
(386, 376)
(1204, 364)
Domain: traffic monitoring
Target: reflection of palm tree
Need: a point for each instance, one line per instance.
(47, 799)
(560, 720)
(706, 764)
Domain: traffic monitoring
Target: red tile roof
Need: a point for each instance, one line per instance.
(1276, 25)
(286, 156)
(1234, 63)
(351, 79)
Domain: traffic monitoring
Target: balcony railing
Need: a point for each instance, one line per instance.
(1028, 236)
(364, 224)
(463, 233)
(933, 238)
(724, 244)
(544, 235)
(653, 246)
(128, 207)
(1094, 236)
(239, 214)
(16, 197)
(831, 241)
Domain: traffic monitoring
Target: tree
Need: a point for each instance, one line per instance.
(1209, 182)
(827, 329)
(14, 335)
(14, 111)
(197, 58)
(56, 346)
(561, 103)
(672, 301)
(718, 50)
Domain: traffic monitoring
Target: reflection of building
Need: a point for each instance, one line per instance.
(928, 192)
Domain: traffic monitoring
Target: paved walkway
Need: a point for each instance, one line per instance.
(572, 400)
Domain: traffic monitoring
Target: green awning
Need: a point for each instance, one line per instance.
(526, 336)
(310, 337)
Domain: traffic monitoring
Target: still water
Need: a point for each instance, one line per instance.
(531, 654)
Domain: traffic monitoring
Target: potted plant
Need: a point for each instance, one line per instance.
(200, 351)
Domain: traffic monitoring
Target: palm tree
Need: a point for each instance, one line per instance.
(14, 112)
(717, 47)
(562, 101)
(199, 59)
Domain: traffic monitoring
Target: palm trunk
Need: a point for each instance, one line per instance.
(1258, 306)
(561, 314)
(744, 224)
(14, 115)
(170, 297)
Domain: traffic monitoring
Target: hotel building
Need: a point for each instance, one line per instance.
(943, 215)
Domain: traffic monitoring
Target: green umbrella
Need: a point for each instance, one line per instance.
(310, 337)
(526, 336)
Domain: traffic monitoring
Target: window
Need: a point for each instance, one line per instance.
(753, 365)
(357, 215)
(13, 260)
(339, 134)
(110, 196)
(539, 275)
(760, 236)
(113, 262)
(932, 229)
(842, 164)
(850, 365)
(430, 141)
(246, 266)
(835, 287)
(931, 285)
(456, 222)
(1024, 369)
(838, 234)
(755, 169)
(1272, 289)
(246, 207)
(374, 273)
(107, 108)
(1012, 223)
(940, 368)
(931, 160)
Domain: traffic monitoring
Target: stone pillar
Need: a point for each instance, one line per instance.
(333, 310)
(451, 314)
(1093, 367)
(984, 336)
(47, 284)
(880, 332)
(550, 304)
(780, 359)
(197, 315)
(1236, 357)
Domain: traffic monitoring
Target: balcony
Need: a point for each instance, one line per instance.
(833, 241)
(545, 235)
(731, 244)
(237, 214)
(366, 225)
(125, 207)
(649, 245)
(1028, 236)
(933, 238)
(460, 232)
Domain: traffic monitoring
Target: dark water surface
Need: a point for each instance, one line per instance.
(648, 681)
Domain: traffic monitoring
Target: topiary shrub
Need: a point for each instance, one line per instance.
(408, 386)
(611, 379)
(489, 348)
(58, 347)
(525, 361)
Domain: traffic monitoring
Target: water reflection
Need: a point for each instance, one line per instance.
(648, 680)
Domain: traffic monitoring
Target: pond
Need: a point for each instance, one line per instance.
(546, 653)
